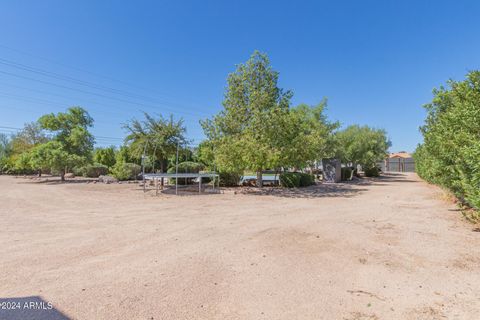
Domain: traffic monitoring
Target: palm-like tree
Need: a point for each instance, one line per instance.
(158, 137)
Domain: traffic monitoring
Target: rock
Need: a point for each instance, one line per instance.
(107, 179)
(69, 175)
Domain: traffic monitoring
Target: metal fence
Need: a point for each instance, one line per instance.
(398, 165)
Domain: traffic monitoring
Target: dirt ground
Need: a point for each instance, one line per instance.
(390, 248)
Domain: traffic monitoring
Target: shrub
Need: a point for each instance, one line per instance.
(126, 171)
(306, 179)
(186, 167)
(91, 170)
(296, 179)
(346, 173)
(229, 179)
(372, 172)
(289, 180)
(450, 153)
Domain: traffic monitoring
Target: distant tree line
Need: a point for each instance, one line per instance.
(256, 130)
(450, 153)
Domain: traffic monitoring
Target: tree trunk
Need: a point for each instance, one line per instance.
(161, 171)
(259, 178)
(62, 176)
(39, 173)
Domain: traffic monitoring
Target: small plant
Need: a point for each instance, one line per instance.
(126, 171)
(91, 170)
(186, 167)
(346, 173)
(372, 172)
(296, 179)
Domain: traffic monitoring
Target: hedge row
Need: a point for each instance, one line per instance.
(296, 179)
(450, 154)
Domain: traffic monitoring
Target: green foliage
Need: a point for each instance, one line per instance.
(14, 152)
(450, 153)
(157, 137)
(30, 136)
(126, 171)
(229, 179)
(372, 171)
(52, 155)
(362, 145)
(105, 156)
(244, 133)
(306, 179)
(91, 170)
(290, 179)
(71, 145)
(257, 130)
(296, 179)
(186, 167)
(205, 154)
(306, 136)
(5, 152)
(70, 129)
(346, 173)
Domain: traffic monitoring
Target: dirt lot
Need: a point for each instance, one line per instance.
(390, 248)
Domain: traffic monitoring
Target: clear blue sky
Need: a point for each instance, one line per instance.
(376, 61)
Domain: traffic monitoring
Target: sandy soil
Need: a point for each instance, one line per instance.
(384, 249)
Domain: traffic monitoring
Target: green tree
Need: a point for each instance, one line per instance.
(5, 151)
(53, 155)
(71, 144)
(363, 146)
(156, 137)
(245, 133)
(450, 153)
(20, 145)
(307, 136)
(105, 156)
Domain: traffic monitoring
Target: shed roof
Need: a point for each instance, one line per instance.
(401, 154)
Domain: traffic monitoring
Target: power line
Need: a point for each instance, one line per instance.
(82, 70)
(80, 82)
(15, 129)
(91, 93)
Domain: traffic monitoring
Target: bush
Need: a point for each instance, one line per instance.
(186, 167)
(229, 179)
(372, 172)
(126, 171)
(91, 170)
(296, 179)
(450, 153)
(306, 179)
(290, 179)
(346, 173)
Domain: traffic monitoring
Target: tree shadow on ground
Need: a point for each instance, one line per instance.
(52, 180)
(190, 190)
(320, 190)
(29, 308)
(389, 177)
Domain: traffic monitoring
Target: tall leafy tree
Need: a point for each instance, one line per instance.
(362, 145)
(245, 132)
(71, 143)
(307, 136)
(22, 143)
(156, 136)
(105, 156)
(450, 153)
(5, 151)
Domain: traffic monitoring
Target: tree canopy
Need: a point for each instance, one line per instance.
(155, 136)
(450, 153)
(257, 129)
(362, 145)
(71, 143)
